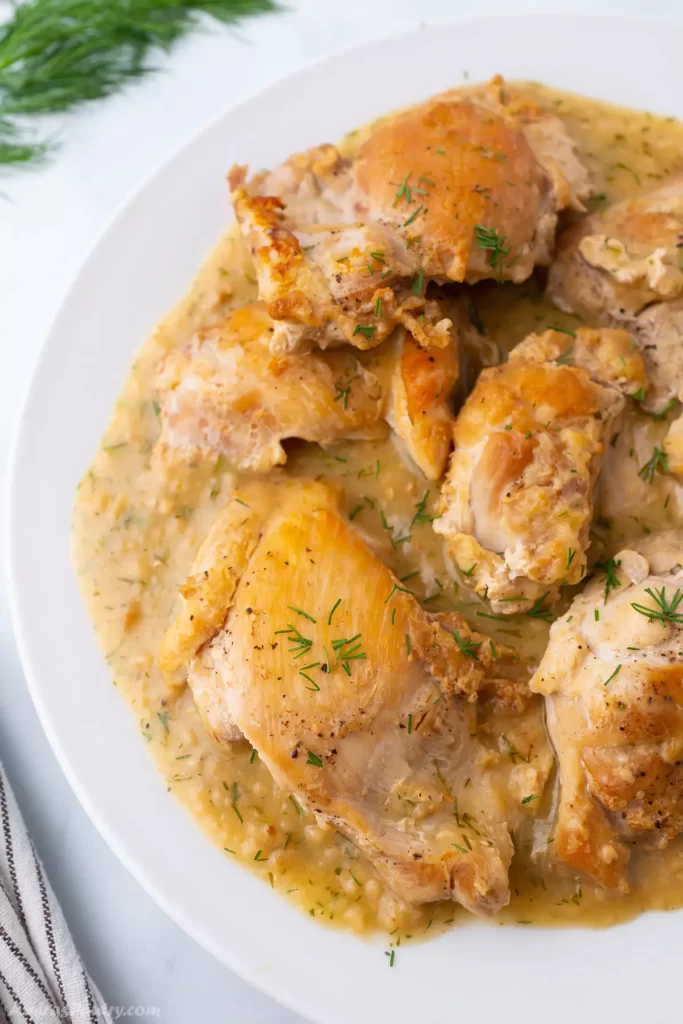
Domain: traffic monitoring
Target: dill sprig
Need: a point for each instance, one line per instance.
(58, 55)
(665, 610)
(656, 463)
(488, 238)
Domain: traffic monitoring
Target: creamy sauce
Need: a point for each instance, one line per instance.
(139, 521)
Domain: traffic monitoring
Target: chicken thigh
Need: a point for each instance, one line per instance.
(451, 190)
(612, 677)
(517, 503)
(357, 700)
(227, 393)
(623, 266)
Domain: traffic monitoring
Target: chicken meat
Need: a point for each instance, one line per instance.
(293, 634)
(623, 266)
(517, 503)
(451, 190)
(227, 393)
(612, 678)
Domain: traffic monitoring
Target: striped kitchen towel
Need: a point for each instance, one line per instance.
(42, 977)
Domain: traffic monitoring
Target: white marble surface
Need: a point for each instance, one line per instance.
(48, 222)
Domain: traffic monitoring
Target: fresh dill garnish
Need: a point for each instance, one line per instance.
(354, 512)
(300, 644)
(259, 857)
(303, 672)
(300, 612)
(367, 331)
(299, 810)
(163, 718)
(539, 610)
(240, 502)
(571, 555)
(488, 238)
(615, 673)
(468, 572)
(397, 586)
(314, 759)
(494, 652)
(566, 357)
(664, 610)
(420, 515)
(334, 608)
(404, 190)
(59, 55)
(413, 216)
(528, 799)
(656, 463)
(468, 646)
(611, 580)
(343, 392)
(378, 308)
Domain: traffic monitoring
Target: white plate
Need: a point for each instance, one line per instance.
(140, 267)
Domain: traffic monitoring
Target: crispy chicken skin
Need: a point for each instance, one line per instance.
(547, 135)
(338, 687)
(418, 383)
(613, 681)
(459, 188)
(623, 266)
(227, 393)
(325, 276)
(517, 502)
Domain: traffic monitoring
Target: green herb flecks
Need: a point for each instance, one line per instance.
(539, 610)
(615, 673)
(611, 580)
(656, 463)
(59, 55)
(489, 239)
(665, 610)
(566, 357)
(467, 646)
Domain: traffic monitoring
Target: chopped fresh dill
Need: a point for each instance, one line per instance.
(656, 463)
(468, 646)
(565, 357)
(615, 673)
(665, 610)
(488, 238)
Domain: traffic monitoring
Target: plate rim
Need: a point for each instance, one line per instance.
(115, 842)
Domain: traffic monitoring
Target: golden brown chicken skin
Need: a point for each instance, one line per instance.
(517, 503)
(450, 190)
(357, 700)
(623, 266)
(227, 394)
(612, 677)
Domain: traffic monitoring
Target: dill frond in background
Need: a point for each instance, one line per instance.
(57, 55)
